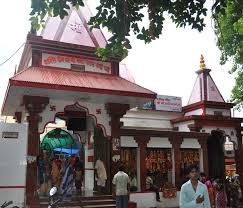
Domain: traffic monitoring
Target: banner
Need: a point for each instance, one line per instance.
(168, 103)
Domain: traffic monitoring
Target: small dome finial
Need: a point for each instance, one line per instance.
(202, 63)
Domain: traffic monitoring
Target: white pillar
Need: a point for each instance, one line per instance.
(201, 160)
(88, 174)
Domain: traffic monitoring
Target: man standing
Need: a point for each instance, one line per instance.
(194, 194)
(101, 176)
(121, 187)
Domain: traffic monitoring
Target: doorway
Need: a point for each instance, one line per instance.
(102, 151)
(216, 158)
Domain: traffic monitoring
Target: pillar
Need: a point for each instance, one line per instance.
(176, 142)
(116, 112)
(142, 142)
(34, 106)
(203, 142)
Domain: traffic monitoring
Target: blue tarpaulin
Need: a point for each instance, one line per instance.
(67, 150)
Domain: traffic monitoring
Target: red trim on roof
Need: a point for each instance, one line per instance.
(207, 104)
(52, 45)
(80, 89)
(209, 119)
(69, 80)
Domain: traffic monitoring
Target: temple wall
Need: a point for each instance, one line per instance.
(149, 119)
(190, 143)
(194, 112)
(95, 110)
(159, 142)
(229, 131)
(183, 126)
(225, 112)
(128, 141)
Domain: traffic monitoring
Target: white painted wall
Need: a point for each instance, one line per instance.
(190, 144)
(183, 126)
(159, 142)
(149, 119)
(128, 141)
(195, 112)
(76, 60)
(13, 163)
(210, 111)
(88, 173)
(48, 116)
(229, 131)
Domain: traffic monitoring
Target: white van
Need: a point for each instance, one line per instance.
(13, 151)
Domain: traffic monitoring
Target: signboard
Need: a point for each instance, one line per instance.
(168, 103)
(66, 62)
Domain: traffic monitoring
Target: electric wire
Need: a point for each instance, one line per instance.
(12, 55)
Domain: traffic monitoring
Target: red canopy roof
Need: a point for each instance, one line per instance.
(59, 79)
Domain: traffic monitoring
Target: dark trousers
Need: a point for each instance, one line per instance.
(122, 201)
(156, 190)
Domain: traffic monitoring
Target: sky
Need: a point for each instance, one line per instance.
(166, 66)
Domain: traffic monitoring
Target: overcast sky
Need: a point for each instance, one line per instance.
(166, 66)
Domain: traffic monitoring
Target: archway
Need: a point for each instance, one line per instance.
(216, 158)
(77, 120)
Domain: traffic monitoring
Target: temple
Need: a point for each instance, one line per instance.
(60, 78)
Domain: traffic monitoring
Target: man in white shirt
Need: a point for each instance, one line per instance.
(121, 187)
(194, 194)
(101, 175)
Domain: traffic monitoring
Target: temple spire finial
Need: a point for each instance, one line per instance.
(202, 63)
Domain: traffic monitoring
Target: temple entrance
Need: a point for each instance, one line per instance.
(102, 151)
(74, 136)
(216, 157)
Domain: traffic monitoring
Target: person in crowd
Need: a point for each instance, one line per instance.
(227, 190)
(203, 177)
(43, 180)
(210, 191)
(194, 194)
(133, 184)
(55, 172)
(101, 176)
(220, 199)
(186, 176)
(150, 186)
(78, 178)
(121, 187)
(234, 193)
(67, 180)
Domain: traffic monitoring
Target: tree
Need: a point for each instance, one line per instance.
(229, 30)
(123, 17)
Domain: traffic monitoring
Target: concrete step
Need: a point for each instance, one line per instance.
(98, 197)
(100, 206)
(98, 202)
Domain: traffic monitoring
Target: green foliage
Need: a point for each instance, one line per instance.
(237, 91)
(229, 30)
(123, 17)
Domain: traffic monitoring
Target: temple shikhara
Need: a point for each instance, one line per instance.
(63, 87)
